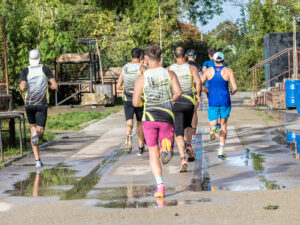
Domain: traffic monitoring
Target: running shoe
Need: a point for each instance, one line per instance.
(183, 165)
(166, 150)
(35, 139)
(190, 153)
(128, 144)
(38, 164)
(214, 131)
(141, 150)
(160, 191)
(221, 155)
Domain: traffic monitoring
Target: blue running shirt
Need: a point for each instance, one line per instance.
(219, 95)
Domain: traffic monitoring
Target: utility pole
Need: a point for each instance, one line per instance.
(160, 39)
(160, 35)
(295, 58)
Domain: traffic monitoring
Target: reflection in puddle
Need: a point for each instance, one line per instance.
(42, 183)
(249, 158)
(277, 115)
(255, 161)
(289, 138)
(139, 197)
(160, 203)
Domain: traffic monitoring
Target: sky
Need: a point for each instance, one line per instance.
(230, 12)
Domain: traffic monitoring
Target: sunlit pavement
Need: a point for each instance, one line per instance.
(89, 172)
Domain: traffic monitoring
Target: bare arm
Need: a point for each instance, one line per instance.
(138, 90)
(53, 84)
(175, 85)
(197, 82)
(232, 82)
(204, 77)
(23, 85)
(120, 80)
(143, 69)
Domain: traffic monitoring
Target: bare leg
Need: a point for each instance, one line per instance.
(129, 125)
(195, 116)
(188, 133)
(180, 145)
(223, 133)
(212, 124)
(154, 161)
(33, 130)
(140, 133)
(40, 131)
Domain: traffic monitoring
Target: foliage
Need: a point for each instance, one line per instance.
(242, 42)
(52, 26)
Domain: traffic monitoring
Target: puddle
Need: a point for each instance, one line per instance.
(277, 115)
(138, 197)
(255, 161)
(49, 182)
(151, 204)
(289, 138)
(248, 158)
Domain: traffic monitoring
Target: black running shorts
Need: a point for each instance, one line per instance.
(183, 117)
(37, 114)
(130, 110)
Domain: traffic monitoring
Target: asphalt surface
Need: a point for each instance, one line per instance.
(88, 179)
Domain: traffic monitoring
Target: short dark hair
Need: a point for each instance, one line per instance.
(212, 51)
(136, 53)
(179, 52)
(142, 53)
(153, 52)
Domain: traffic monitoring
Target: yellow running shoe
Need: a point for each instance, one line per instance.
(166, 150)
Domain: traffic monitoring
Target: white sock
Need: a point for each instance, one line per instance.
(221, 148)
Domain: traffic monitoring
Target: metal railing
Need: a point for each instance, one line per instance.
(253, 69)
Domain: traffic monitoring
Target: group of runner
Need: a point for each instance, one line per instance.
(165, 102)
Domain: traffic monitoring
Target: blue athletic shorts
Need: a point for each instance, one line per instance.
(215, 113)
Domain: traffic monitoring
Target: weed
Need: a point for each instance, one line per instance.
(271, 207)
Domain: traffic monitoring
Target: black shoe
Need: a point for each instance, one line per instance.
(141, 151)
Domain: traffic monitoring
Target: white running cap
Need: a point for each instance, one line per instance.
(34, 57)
(219, 56)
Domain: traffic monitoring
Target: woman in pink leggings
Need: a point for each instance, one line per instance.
(157, 84)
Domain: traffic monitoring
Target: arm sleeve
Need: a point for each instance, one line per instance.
(24, 74)
(47, 72)
(204, 64)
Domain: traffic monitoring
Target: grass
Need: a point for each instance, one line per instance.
(271, 207)
(56, 125)
(267, 117)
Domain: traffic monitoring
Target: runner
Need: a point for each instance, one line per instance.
(192, 61)
(127, 77)
(142, 58)
(207, 64)
(187, 75)
(218, 77)
(34, 88)
(157, 83)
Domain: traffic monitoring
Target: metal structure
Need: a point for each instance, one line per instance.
(254, 69)
(3, 60)
(79, 71)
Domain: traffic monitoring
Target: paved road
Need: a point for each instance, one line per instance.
(88, 180)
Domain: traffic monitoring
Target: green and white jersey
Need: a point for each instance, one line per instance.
(158, 105)
(130, 72)
(185, 79)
